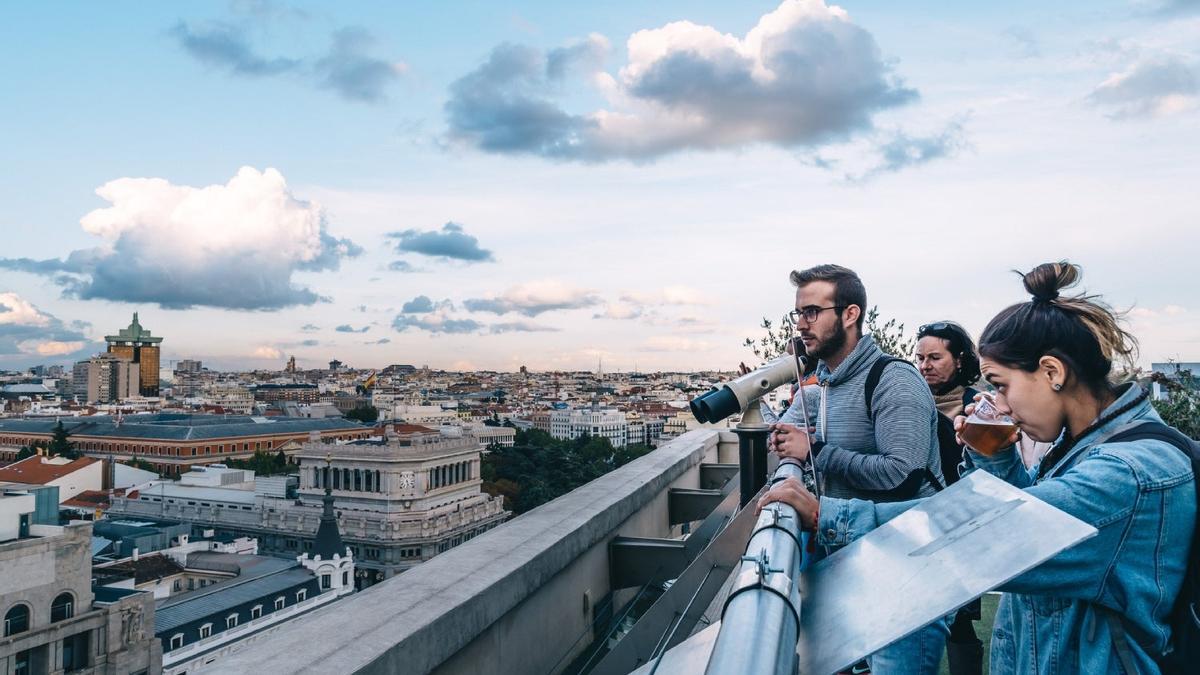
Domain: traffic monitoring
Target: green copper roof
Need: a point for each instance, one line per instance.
(135, 333)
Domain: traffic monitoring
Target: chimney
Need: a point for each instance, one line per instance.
(314, 437)
(135, 554)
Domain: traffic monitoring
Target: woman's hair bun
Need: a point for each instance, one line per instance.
(1045, 281)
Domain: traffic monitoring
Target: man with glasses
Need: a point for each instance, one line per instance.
(881, 447)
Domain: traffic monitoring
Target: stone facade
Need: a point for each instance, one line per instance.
(68, 628)
(399, 502)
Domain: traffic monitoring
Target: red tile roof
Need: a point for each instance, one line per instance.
(90, 499)
(35, 471)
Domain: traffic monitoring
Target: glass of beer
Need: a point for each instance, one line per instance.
(987, 430)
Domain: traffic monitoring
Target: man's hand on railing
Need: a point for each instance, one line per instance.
(791, 492)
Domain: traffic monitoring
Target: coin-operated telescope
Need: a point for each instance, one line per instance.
(742, 395)
(739, 394)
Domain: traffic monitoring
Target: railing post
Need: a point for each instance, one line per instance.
(752, 432)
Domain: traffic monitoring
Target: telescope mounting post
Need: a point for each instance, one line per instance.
(752, 432)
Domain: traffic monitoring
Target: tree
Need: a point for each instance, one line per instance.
(60, 444)
(774, 342)
(539, 468)
(142, 464)
(889, 337)
(366, 414)
(263, 463)
(26, 451)
(1181, 408)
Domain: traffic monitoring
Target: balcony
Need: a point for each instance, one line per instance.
(540, 593)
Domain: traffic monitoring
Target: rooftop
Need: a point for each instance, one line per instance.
(258, 577)
(178, 427)
(90, 499)
(134, 333)
(142, 569)
(40, 470)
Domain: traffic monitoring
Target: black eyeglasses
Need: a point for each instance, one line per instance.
(810, 314)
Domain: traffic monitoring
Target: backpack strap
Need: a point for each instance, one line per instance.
(872, 383)
(1120, 641)
(1151, 430)
(873, 376)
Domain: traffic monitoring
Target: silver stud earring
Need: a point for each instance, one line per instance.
(1057, 386)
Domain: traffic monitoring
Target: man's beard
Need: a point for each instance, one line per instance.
(832, 346)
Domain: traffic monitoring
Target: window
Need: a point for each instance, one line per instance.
(75, 651)
(345, 578)
(62, 608)
(177, 586)
(231, 621)
(255, 611)
(16, 620)
(205, 631)
(177, 641)
(326, 581)
(279, 602)
(301, 595)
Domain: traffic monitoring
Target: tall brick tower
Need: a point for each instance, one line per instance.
(136, 344)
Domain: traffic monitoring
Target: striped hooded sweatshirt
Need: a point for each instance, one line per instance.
(879, 459)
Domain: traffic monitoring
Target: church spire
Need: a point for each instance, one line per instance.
(328, 542)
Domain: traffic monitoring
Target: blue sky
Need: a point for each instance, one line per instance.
(472, 185)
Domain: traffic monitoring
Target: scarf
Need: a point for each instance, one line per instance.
(950, 403)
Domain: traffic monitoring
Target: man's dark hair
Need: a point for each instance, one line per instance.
(847, 287)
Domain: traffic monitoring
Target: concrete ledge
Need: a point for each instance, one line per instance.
(417, 620)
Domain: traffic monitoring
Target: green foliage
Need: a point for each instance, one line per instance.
(61, 445)
(539, 468)
(142, 464)
(1181, 408)
(26, 451)
(774, 342)
(366, 414)
(888, 335)
(263, 463)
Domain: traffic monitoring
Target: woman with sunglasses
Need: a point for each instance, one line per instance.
(1104, 605)
(946, 358)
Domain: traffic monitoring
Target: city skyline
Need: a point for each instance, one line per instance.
(484, 188)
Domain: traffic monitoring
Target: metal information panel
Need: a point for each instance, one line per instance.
(924, 564)
(916, 568)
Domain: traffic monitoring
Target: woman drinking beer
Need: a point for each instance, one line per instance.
(1102, 606)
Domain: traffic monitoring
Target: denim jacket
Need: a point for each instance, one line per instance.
(1139, 495)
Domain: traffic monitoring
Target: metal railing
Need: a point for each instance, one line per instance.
(760, 623)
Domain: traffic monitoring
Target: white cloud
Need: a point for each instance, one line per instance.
(669, 295)
(534, 298)
(26, 330)
(266, 352)
(619, 311)
(234, 245)
(1156, 87)
(805, 75)
(50, 347)
(16, 310)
